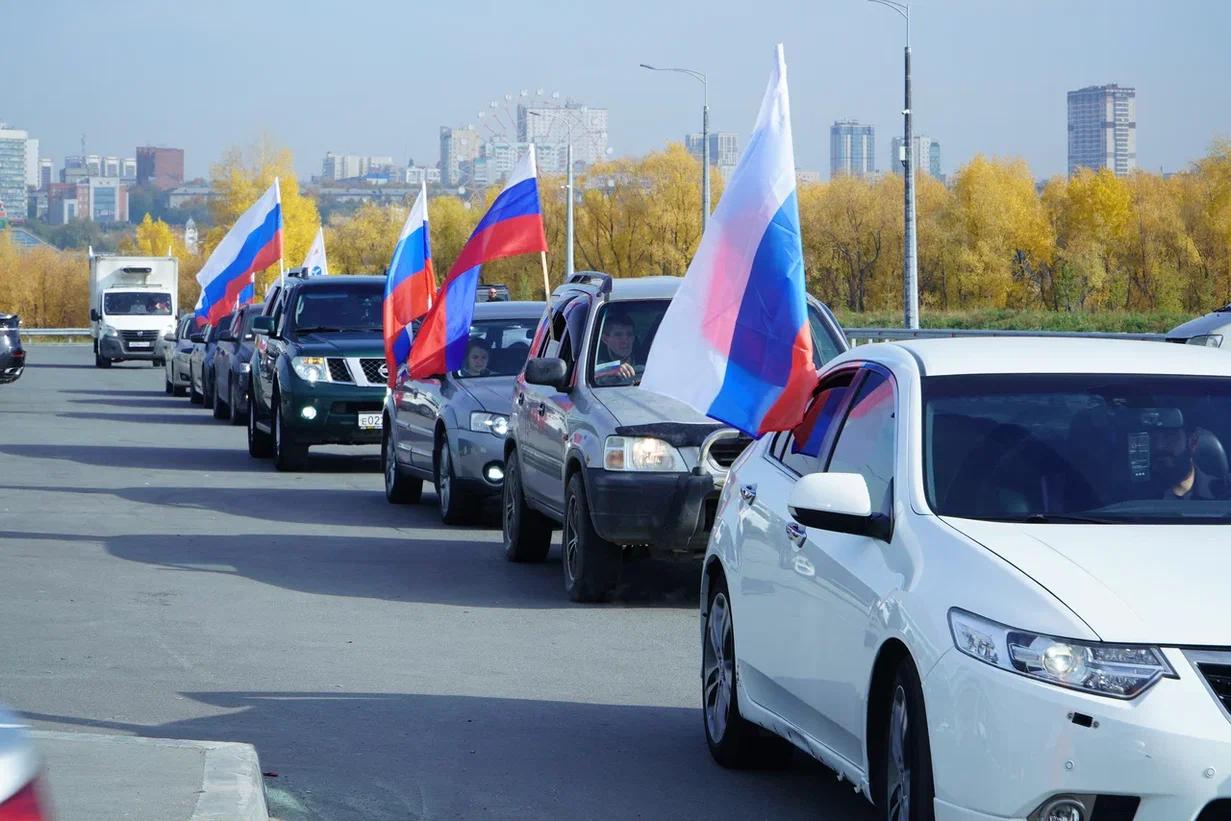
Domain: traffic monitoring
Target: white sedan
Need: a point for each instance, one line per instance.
(987, 579)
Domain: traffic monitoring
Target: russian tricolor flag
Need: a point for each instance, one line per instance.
(512, 226)
(253, 244)
(735, 342)
(409, 285)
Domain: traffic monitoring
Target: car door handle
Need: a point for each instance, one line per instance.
(748, 493)
(796, 534)
(542, 409)
(521, 399)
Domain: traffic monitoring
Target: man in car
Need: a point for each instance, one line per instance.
(615, 365)
(1173, 450)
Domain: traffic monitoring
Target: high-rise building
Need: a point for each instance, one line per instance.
(31, 162)
(926, 156)
(111, 167)
(724, 149)
(13, 172)
(457, 146)
(74, 169)
(106, 200)
(46, 173)
(1103, 128)
(548, 127)
(852, 149)
(128, 169)
(353, 166)
(94, 165)
(162, 168)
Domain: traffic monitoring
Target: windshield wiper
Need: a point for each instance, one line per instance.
(318, 329)
(1051, 519)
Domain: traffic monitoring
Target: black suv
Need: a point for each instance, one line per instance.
(319, 377)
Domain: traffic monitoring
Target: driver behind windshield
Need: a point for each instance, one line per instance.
(615, 365)
(1173, 452)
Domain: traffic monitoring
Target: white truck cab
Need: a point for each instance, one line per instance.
(133, 304)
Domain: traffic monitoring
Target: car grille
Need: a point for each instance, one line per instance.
(724, 452)
(371, 370)
(136, 336)
(1218, 676)
(356, 407)
(338, 371)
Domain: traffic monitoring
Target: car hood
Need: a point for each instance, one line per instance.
(341, 344)
(1151, 584)
(493, 393)
(637, 406)
(140, 322)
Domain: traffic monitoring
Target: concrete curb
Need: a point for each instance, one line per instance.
(232, 787)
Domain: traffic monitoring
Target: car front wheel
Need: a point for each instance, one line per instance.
(906, 765)
(400, 489)
(527, 533)
(289, 455)
(221, 409)
(456, 505)
(233, 404)
(592, 565)
(259, 444)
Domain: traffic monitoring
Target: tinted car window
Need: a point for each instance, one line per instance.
(498, 347)
(866, 443)
(338, 308)
(824, 346)
(122, 304)
(625, 332)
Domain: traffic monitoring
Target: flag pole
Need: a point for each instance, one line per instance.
(546, 283)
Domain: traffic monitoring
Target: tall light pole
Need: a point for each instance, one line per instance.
(705, 136)
(910, 260)
(568, 208)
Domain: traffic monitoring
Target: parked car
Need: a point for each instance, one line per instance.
(450, 430)
(618, 466)
(1209, 330)
(12, 354)
(987, 583)
(201, 363)
(232, 364)
(176, 357)
(320, 378)
(20, 784)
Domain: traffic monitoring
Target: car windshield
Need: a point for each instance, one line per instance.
(133, 304)
(625, 331)
(1078, 448)
(498, 347)
(353, 307)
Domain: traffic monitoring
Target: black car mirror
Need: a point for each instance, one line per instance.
(549, 371)
(197, 339)
(263, 325)
(93, 314)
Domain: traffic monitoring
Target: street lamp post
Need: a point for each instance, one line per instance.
(705, 136)
(568, 207)
(910, 261)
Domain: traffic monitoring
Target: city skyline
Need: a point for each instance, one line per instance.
(967, 93)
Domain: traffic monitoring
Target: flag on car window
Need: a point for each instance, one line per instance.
(409, 285)
(513, 225)
(735, 343)
(253, 244)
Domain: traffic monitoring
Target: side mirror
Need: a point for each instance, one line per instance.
(197, 339)
(263, 325)
(94, 315)
(837, 502)
(548, 371)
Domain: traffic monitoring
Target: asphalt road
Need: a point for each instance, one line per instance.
(155, 580)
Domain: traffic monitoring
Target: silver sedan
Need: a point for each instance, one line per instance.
(449, 429)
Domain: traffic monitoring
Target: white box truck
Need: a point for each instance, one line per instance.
(133, 305)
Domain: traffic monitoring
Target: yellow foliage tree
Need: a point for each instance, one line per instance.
(364, 243)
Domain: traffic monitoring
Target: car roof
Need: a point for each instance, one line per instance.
(1214, 321)
(333, 279)
(659, 287)
(506, 309)
(1023, 355)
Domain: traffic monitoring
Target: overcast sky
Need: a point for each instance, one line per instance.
(380, 76)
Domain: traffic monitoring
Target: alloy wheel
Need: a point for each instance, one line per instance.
(444, 478)
(386, 453)
(718, 667)
(899, 775)
(512, 487)
(571, 529)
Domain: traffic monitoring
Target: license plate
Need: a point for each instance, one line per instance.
(370, 421)
(140, 344)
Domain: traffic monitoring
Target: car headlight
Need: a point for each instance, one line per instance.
(1119, 671)
(244, 367)
(642, 453)
(108, 330)
(494, 423)
(311, 368)
(1207, 340)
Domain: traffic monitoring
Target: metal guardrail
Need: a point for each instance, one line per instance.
(859, 336)
(26, 332)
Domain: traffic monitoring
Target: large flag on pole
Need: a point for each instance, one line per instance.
(735, 342)
(253, 244)
(512, 226)
(409, 285)
(315, 263)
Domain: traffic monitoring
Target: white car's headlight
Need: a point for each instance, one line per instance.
(493, 423)
(1207, 340)
(1119, 671)
(642, 453)
(311, 368)
(108, 330)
